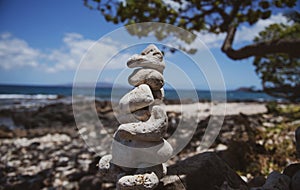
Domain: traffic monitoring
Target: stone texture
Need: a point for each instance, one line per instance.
(151, 57)
(138, 98)
(138, 147)
(151, 130)
(291, 169)
(137, 116)
(139, 182)
(207, 171)
(295, 184)
(150, 77)
(128, 153)
(275, 181)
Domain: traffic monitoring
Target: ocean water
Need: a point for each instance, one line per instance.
(34, 96)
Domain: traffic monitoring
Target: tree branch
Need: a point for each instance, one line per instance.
(288, 46)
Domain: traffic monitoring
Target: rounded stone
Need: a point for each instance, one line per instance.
(136, 99)
(150, 77)
(151, 57)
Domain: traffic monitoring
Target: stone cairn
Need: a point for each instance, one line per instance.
(138, 148)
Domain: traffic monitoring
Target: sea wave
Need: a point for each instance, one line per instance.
(29, 97)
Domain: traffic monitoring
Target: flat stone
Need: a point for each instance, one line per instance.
(146, 181)
(132, 153)
(151, 57)
(136, 99)
(150, 77)
(151, 130)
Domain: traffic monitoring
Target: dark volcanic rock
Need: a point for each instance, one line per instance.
(297, 135)
(276, 181)
(90, 183)
(207, 171)
(257, 181)
(295, 184)
(291, 169)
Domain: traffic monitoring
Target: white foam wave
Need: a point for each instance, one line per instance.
(27, 96)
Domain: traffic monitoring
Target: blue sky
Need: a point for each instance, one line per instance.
(42, 42)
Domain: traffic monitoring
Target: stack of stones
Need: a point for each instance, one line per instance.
(138, 148)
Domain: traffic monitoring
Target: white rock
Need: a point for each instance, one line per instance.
(151, 57)
(104, 162)
(137, 116)
(136, 99)
(132, 153)
(151, 130)
(146, 181)
(150, 77)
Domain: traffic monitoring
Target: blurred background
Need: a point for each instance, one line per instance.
(255, 44)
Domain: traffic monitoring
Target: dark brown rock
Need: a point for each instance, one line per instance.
(207, 171)
(291, 169)
(297, 136)
(257, 181)
(90, 183)
(295, 184)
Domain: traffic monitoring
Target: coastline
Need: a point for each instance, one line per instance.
(46, 150)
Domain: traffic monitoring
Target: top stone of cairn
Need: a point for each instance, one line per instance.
(151, 57)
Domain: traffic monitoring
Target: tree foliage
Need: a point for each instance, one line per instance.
(276, 50)
(216, 16)
(279, 72)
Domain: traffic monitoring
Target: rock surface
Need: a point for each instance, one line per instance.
(150, 77)
(151, 57)
(136, 99)
(207, 171)
(275, 181)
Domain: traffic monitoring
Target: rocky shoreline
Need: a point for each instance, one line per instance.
(48, 153)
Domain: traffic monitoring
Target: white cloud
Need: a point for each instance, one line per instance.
(15, 52)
